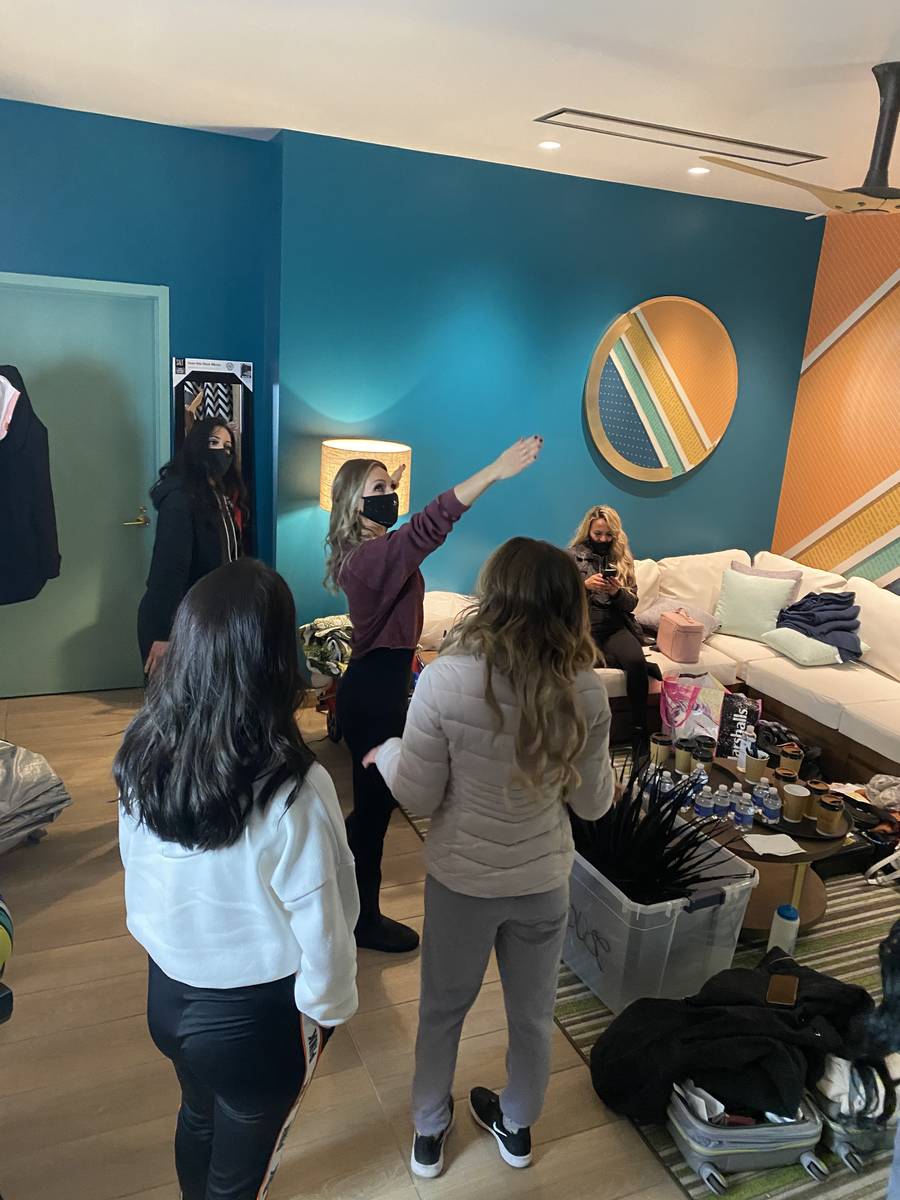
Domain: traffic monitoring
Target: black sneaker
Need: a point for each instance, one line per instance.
(515, 1148)
(390, 937)
(428, 1152)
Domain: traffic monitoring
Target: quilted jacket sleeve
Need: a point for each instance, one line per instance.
(593, 796)
(416, 767)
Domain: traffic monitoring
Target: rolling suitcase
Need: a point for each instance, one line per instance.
(715, 1151)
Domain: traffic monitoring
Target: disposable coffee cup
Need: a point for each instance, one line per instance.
(757, 764)
(660, 749)
(791, 757)
(793, 802)
(684, 751)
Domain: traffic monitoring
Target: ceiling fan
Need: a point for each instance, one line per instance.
(875, 195)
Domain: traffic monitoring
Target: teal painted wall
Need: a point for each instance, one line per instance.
(455, 305)
(95, 197)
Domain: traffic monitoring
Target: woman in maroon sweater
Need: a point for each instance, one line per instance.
(379, 573)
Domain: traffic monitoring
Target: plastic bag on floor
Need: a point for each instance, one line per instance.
(31, 794)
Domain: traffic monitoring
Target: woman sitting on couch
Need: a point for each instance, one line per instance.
(601, 551)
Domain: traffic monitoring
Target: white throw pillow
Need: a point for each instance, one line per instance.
(749, 605)
(442, 611)
(813, 580)
(879, 624)
(647, 574)
(696, 578)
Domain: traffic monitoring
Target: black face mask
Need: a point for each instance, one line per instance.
(383, 510)
(604, 549)
(217, 463)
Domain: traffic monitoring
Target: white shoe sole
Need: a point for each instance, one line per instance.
(432, 1171)
(511, 1160)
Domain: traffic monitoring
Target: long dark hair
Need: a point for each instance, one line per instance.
(191, 464)
(219, 714)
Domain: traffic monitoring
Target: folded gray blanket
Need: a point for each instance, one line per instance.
(830, 617)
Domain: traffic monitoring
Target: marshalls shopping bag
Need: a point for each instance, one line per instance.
(690, 705)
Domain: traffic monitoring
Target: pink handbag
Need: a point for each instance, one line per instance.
(680, 636)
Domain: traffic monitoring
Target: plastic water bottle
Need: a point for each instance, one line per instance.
(666, 786)
(771, 813)
(760, 791)
(723, 802)
(705, 804)
(735, 797)
(743, 811)
(784, 930)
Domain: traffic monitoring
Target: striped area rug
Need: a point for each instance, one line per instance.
(845, 945)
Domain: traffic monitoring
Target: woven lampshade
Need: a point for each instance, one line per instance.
(337, 451)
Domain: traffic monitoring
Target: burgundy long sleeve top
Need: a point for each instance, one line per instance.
(383, 584)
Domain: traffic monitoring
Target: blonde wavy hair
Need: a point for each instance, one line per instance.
(620, 552)
(530, 624)
(346, 528)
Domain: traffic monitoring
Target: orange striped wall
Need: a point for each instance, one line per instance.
(840, 496)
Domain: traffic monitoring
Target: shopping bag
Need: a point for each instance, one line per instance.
(689, 705)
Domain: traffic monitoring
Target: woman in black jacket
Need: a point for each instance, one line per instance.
(602, 554)
(200, 499)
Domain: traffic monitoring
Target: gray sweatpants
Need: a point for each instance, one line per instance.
(460, 933)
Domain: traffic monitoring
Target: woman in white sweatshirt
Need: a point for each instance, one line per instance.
(506, 730)
(238, 879)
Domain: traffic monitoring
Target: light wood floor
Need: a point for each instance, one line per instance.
(87, 1104)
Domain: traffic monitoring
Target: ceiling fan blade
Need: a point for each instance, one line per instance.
(830, 197)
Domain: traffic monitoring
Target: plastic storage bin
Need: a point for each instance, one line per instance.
(624, 951)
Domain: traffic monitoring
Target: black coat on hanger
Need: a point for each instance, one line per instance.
(29, 548)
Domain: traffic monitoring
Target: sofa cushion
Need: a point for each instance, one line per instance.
(812, 580)
(879, 625)
(821, 693)
(715, 662)
(875, 725)
(697, 578)
(442, 609)
(749, 605)
(804, 650)
(741, 650)
(647, 573)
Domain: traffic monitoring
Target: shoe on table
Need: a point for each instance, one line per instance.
(428, 1152)
(515, 1148)
(390, 937)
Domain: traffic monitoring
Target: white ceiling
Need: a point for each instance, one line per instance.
(468, 77)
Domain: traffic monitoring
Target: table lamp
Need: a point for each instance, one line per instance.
(337, 451)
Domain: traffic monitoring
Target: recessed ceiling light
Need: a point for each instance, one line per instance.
(698, 170)
(548, 145)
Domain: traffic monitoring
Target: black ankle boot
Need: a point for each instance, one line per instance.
(390, 937)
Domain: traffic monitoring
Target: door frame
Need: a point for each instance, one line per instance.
(159, 295)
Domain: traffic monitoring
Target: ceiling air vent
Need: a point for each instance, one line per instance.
(685, 139)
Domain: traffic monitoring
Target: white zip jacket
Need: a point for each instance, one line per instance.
(281, 901)
(488, 838)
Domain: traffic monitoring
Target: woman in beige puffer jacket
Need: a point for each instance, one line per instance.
(506, 731)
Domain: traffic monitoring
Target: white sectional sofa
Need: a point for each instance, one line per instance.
(859, 701)
(851, 710)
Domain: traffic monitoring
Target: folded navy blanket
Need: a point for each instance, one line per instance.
(830, 617)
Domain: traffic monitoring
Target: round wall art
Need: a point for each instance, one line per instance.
(661, 388)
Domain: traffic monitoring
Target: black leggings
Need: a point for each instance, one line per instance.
(622, 649)
(372, 700)
(241, 1059)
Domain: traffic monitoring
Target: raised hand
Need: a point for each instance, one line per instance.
(521, 454)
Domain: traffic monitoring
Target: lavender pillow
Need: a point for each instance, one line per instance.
(649, 618)
(797, 577)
